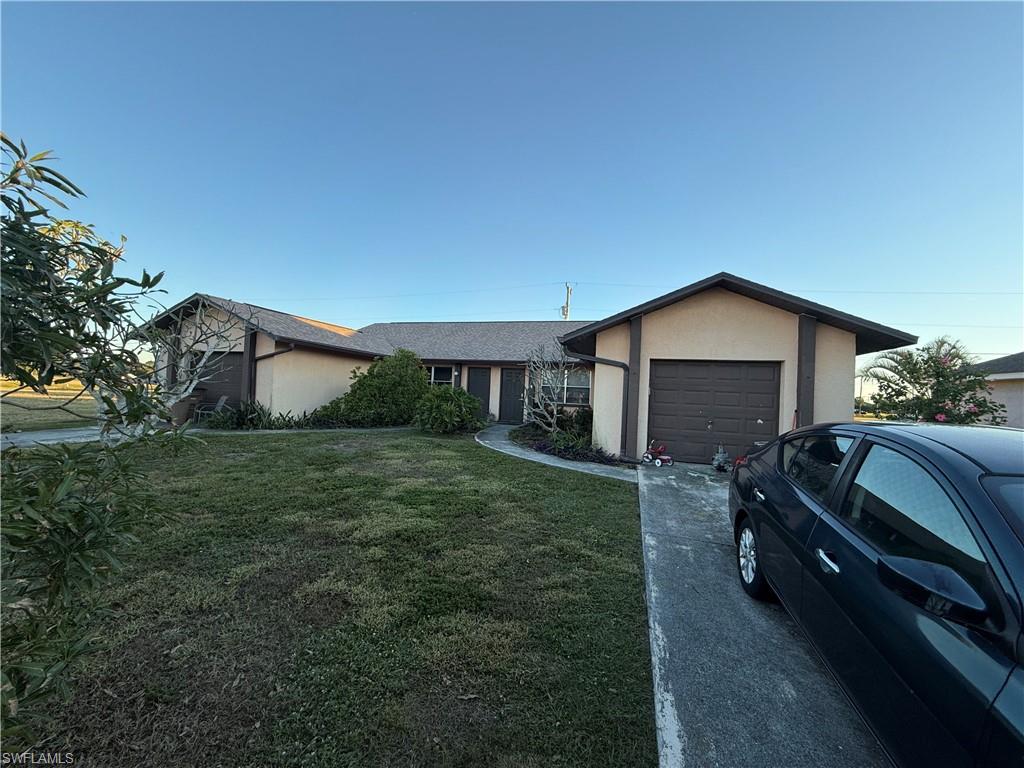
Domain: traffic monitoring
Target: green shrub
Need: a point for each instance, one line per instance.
(226, 418)
(448, 409)
(330, 414)
(573, 440)
(255, 415)
(581, 422)
(566, 445)
(387, 393)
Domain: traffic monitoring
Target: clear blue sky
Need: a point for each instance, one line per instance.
(359, 163)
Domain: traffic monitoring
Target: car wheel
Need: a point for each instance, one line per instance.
(748, 563)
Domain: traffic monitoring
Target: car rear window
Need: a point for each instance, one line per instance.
(1007, 491)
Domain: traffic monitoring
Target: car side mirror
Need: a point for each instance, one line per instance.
(934, 587)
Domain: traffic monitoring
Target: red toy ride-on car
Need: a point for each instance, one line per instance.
(655, 454)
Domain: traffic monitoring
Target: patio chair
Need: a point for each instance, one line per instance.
(205, 409)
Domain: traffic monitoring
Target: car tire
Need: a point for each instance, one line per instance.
(748, 562)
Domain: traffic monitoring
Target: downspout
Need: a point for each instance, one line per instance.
(274, 354)
(625, 390)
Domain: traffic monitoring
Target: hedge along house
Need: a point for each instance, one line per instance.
(722, 361)
(293, 363)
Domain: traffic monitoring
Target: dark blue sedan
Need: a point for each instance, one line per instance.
(899, 548)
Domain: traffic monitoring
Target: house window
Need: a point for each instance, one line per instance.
(573, 389)
(577, 386)
(441, 374)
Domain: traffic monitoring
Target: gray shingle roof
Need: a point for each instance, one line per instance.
(282, 325)
(499, 341)
(1008, 364)
(503, 341)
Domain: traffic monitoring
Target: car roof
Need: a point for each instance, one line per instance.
(997, 450)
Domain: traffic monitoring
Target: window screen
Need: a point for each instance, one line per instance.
(441, 374)
(577, 386)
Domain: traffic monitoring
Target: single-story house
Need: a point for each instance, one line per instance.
(293, 363)
(1006, 377)
(722, 361)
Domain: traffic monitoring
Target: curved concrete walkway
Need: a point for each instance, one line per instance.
(496, 438)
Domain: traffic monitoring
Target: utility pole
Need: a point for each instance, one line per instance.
(568, 298)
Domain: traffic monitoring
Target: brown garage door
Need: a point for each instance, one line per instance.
(696, 404)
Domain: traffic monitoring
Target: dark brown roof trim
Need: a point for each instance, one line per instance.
(166, 317)
(871, 336)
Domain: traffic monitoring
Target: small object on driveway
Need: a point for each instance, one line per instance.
(655, 454)
(720, 461)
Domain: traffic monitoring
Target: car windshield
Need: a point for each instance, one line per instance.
(1007, 491)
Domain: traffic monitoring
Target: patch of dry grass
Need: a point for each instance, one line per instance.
(338, 599)
(30, 412)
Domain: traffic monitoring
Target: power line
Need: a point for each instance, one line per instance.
(832, 290)
(407, 295)
(429, 317)
(895, 322)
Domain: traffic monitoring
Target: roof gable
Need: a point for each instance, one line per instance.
(283, 326)
(871, 336)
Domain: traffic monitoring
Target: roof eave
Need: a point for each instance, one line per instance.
(871, 337)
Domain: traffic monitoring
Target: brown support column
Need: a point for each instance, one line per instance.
(806, 341)
(249, 367)
(633, 395)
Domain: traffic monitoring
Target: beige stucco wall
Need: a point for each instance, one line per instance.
(720, 325)
(1010, 392)
(834, 372)
(606, 390)
(264, 369)
(305, 379)
(713, 325)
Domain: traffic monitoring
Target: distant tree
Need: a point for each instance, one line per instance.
(934, 383)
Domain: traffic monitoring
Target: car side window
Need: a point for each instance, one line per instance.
(817, 461)
(896, 505)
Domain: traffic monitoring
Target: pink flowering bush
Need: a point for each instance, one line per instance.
(935, 383)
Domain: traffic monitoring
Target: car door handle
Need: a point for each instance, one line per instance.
(758, 495)
(828, 565)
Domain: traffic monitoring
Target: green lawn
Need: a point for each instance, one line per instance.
(341, 599)
(43, 415)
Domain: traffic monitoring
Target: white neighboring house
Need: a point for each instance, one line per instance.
(1006, 377)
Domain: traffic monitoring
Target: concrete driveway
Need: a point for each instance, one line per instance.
(49, 437)
(736, 683)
